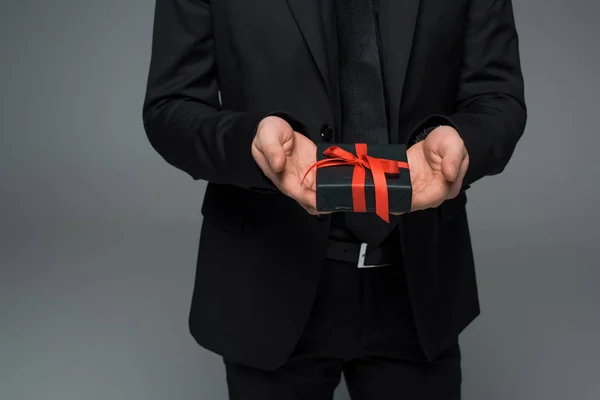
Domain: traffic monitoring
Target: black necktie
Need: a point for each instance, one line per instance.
(362, 97)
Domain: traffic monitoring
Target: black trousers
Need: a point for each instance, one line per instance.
(361, 327)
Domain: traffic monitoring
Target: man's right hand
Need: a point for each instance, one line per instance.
(284, 157)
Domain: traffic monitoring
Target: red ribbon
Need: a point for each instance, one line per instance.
(378, 166)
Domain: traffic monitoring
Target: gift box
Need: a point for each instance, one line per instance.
(363, 178)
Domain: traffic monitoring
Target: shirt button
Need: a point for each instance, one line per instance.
(326, 133)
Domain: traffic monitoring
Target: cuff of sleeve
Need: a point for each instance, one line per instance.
(423, 128)
(243, 163)
(294, 122)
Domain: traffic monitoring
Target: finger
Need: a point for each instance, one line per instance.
(266, 168)
(309, 209)
(311, 180)
(271, 145)
(305, 196)
(452, 158)
(456, 186)
(276, 158)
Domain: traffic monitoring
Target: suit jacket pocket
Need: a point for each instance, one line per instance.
(224, 207)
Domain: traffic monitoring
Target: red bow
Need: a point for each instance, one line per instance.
(378, 166)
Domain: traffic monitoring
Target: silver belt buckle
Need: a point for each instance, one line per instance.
(362, 254)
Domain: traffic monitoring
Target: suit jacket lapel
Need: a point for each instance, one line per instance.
(309, 17)
(397, 21)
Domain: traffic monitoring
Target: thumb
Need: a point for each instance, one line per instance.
(271, 145)
(452, 157)
(275, 155)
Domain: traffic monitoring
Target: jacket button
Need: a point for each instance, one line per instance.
(326, 133)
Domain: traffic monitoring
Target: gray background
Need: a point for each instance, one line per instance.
(98, 235)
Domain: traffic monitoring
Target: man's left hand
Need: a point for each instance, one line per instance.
(438, 166)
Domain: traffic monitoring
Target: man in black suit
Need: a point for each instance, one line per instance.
(239, 92)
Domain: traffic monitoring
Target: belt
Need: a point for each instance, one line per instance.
(361, 254)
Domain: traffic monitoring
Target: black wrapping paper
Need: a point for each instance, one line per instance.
(334, 183)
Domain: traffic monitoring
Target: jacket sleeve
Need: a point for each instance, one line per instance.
(490, 113)
(182, 115)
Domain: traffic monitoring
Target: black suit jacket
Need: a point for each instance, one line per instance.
(219, 66)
